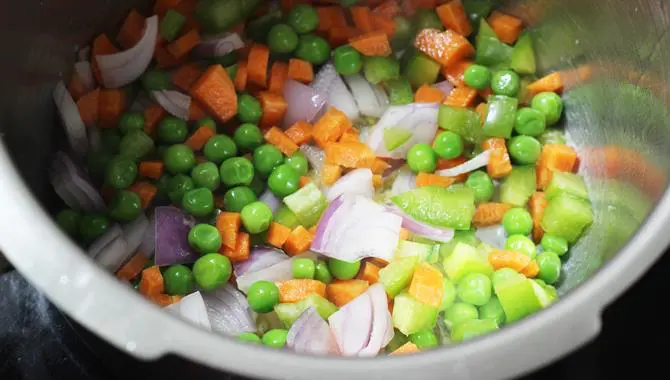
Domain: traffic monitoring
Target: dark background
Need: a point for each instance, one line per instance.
(36, 342)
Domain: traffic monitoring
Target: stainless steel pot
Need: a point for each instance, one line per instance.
(616, 53)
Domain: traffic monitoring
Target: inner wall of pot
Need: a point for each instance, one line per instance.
(610, 53)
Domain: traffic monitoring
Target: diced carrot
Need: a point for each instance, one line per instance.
(146, 191)
(101, 46)
(531, 270)
(312, 230)
(296, 290)
(162, 6)
(379, 166)
(277, 234)
(407, 348)
(548, 83)
(186, 75)
(342, 292)
(300, 132)
(362, 17)
(257, 65)
(554, 157)
(428, 94)
(195, 112)
(377, 181)
(228, 224)
(404, 234)
(241, 77)
(350, 155)
(164, 59)
(298, 241)
(452, 163)
(274, 107)
(281, 141)
(133, 267)
(330, 174)
(132, 30)
(455, 72)
(507, 27)
(304, 181)
(389, 9)
(370, 272)
(499, 163)
(112, 104)
(242, 248)
(340, 35)
(151, 169)
(508, 259)
(88, 107)
(488, 214)
(427, 285)
(461, 97)
(387, 26)
(153, 115)
(278, 76)
(330, 17)
(445, 47)
(330, 127)
(76, 87)
(187, 9)
(300, 70)
(537, 204)
(453, 17)
(350, 135)
(183, 45)
(215, 91)
(482, 109)
(372, 44)
(164, 299)
(199, 138)
(151, 282)
(428, 179)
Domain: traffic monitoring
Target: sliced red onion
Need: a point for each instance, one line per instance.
(328, 81)
(192, 309)
(111, 249)
(75, 129)
(404, 182)
(354, 227)
(311, 335)
(134, 232)
(315, 156)
(85, 73)
(278, 272)
(174, 102)
(445, 86)
(495, 236)
(112, 233)
(370, 99)
(172, 226)
(352, 325)
(120, 69)
(304, 103)
(219, 45)
(270, 199)
(259, 259)
(420, 119)
(473, 164)
(228, 311)
(381, 321)
(356, 182)
(94, 139)
(72, 185)
(84, 53)
(443, 235)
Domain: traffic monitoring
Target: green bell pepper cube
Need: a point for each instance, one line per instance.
(501, 116)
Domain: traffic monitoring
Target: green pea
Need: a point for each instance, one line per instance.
(493, 310)
(421, 158)
(249, 338)
(248, 137)
(131, 121)
(448, 295)
(249, 109)
(177, 186)
(198, 202)
(237, 171)
(380, 69)
(298, 162)
(121, 173)
(524, 149)
(343, 270)
(136, 145)
(110, 140)
(172, 130)
(550, 267)
(448, 145)
(126, 206)
(460, 312)
(427, 19)
(481, 185)
(206, 175)
(521, 244)
(517, 221)
(236, 198)
(204, 238)
(303, 18)
(275, 338)
(179, 159)
(212, 271)
(284, 181)
(505, 82)
(550, 104)
(303, 269)
(68, 221)
(503, 275)
(154, 80)
(474, 288)
(256, 217)
(322, 273)
(266, 158)
(477, 77)
(530, 122)
(263, 296)
(347, 60)
(282, 39)
(219, 148)
(178, 280)
(313, 49)
(424, 339)
(555, 244)
(92, 227)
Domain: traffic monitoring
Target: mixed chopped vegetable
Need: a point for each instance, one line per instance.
(368, 178)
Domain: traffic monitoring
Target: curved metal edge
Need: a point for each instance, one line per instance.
(90, 295)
